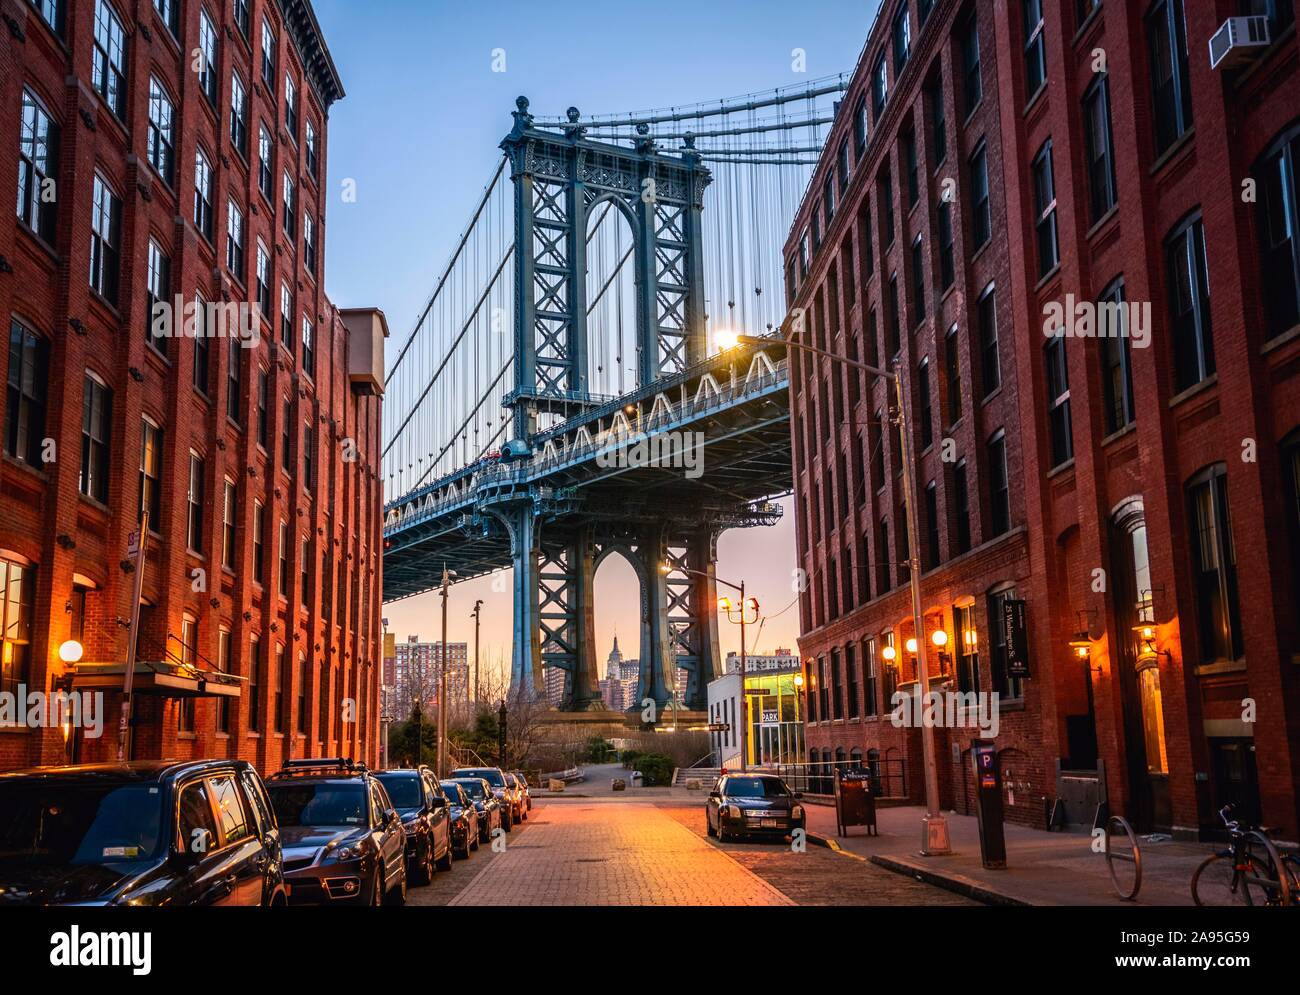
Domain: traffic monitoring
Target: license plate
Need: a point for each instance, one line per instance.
(767, 823)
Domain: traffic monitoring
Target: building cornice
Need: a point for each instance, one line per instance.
(300, 22)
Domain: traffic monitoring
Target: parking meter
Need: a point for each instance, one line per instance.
(988, 802)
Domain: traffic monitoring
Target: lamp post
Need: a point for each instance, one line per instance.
(478, 607)
(934, 827)
(442, 686)
(724, 604)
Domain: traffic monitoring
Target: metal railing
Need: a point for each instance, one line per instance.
(888, 777)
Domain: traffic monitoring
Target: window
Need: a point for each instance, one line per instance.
(254, 675)
(824, 690)
(981, 212)
(885, 185)
(1035, 47)
(910, 163)
(235, 240)
(223, 665)
(308, 457)
(108, 63)
(194, 505)
(201, 347)
(1291, 471)
(18, 585)
(923, 9)
(1045, 210)
(828, 197)
(972, 81)
(158, 290)
(309, 243)
(901, 34)
(282, 702)
(29, 362)
(228, 524)
(938, 124)
(308, 348)
(207, 57)
(947, 260)
(1061, 439)
(51, 12)
(1085, 8)
(952, 374)
(961, 507)
(313, 153)
(1214, 567)
(290, 220)
(892, 316)
(890, 684)
(879, 87)
(932, 552)
(869, 677)
(238, 114)
(1280, 13)
(851, 681)
(96, 412)
(203, 194)
(286, 316)
(1003, 683)
(38, 168)
(282, 572)
(234, 378)
(1171, 82)
(263, 282)
(860, 129)
(968, 657)
(990, 361)
(302, 694)
(918, 282)
(242, 20)
(1189, 304)
(169, 12)
(876, 436)
(268, 55)
(1278, 222)
(304, 573)
(263, 391)
(924, 408)
(837, 686)
(1101, 160)
(999, 486)
(105, 240)
(259, 541)
(1116, 371)
(151, 455)
(265, 164)
(291, 107)
(286, 437)
(884, 561)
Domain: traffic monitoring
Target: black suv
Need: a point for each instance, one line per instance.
(343, 839)
(502, 791)
(155, 832)
(420, 801)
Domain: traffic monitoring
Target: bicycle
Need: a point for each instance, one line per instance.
(1250, 871)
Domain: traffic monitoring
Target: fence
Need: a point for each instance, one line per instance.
(888, 777)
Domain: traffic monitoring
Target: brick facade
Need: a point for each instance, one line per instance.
(1087, 486)
(324, 487)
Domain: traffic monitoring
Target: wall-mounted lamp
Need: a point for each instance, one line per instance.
(911, 645)
(888, 653)
(940, 639)
(1081, 645)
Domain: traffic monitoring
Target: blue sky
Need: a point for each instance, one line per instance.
(418, 133)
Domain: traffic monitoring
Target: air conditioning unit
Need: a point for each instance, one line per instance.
(1239, 41)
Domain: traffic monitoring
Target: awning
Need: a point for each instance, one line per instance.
(171, 680)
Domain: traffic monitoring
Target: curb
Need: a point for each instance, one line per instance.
(955, 883)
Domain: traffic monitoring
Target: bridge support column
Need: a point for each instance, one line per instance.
(568, 620)
(526, 655)
(701, 556)
(658, 648)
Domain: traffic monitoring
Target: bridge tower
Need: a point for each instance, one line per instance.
(559, 178)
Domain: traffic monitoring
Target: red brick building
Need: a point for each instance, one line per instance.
(164, 148)
(998, 173)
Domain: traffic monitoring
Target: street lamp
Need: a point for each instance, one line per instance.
(934, 828)
(735, 614)
(478, 607)
(447, 575)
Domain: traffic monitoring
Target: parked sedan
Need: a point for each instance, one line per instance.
(145, 833)
(519, 794)
(464, 818)
(523, 784)
(486, 804)
(419, 800)
(496, 779)
(752, 804)
(343, 840)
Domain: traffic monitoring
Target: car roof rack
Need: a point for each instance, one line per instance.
(315, 766)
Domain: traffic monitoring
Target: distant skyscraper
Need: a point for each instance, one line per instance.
(418, 673)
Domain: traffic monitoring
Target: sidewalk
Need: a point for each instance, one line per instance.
(1042, 868)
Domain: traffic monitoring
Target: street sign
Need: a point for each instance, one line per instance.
(1015, 631)
(719, 727)
(133, 544)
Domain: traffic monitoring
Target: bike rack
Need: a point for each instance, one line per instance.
(1115, 825)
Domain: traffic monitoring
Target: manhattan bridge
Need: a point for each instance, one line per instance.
(579, 314)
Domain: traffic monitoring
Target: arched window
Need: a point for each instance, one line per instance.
(1133, 606)
(1214, 566)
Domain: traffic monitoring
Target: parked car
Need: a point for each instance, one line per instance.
(752, 804)
(519, 794)
(343, 839)
(528, 797)
(501, 790)
(486, 804)
(156, 833)
(464, 818)
(418, 797)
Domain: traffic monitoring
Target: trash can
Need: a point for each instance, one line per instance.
(636, 779)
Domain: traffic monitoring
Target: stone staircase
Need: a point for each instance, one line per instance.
(705, 775)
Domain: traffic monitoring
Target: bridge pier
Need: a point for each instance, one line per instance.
(703, 606)
(526, 655)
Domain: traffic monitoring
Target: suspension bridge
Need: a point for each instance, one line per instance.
(562, 398)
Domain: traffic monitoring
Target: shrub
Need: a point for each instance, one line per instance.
(656, 769)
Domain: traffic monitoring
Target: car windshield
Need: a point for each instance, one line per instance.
(755, 787)
(403, 789)
(493, 776)
(80, 823)
(318, 804)
(451, 789)
(474, 789)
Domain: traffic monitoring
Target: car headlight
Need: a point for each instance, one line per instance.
(796, 812)
(344, 853)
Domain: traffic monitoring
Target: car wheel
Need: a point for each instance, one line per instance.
(708, 826)
(723, 836)
(474, 842)
(507, 823)
(377, 887)
(448, 858)
(424, 870)
(398, 895)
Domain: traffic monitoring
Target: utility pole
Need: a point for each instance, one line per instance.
(442, 688)
(478, 607)
(132, 637)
